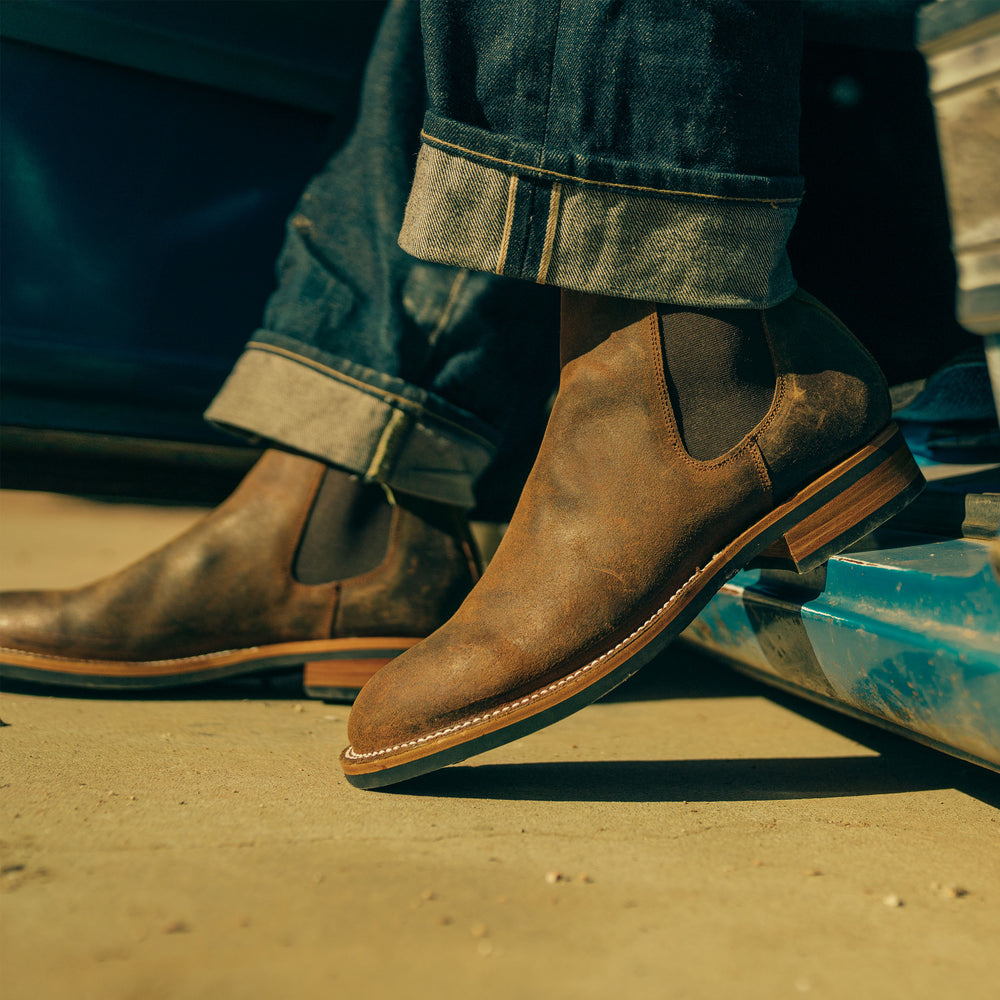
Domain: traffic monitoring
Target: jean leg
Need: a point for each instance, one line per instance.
(639, 148)
(405, 372)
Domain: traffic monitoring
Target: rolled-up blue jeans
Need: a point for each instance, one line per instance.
(644, 150)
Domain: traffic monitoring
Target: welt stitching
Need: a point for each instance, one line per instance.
(352, 754)
(427, 137)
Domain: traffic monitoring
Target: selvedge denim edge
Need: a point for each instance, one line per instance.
(676, 247)
(376, 434)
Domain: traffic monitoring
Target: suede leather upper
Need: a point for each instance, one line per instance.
(227, 584)
(616, 516)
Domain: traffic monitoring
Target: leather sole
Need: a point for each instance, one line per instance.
(333, 669)
(833, 512)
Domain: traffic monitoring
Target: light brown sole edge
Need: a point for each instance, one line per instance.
(331, 669)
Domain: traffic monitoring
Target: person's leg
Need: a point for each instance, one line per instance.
(384, 386)
(404, 372)
(642, 156)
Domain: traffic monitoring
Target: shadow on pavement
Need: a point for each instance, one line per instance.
(742, 780)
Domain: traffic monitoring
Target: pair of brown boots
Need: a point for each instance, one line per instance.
(629, 522)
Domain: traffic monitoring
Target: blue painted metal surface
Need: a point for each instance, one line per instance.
(903, 631)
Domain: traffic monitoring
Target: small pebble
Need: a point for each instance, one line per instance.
(585, 878)
(479, 930)
(297, 708)
(553, 877)
(176, 927)
(892, 900)
(813, 871)
(443, 921)
(953, 892)
(427, 895)
(484, 948)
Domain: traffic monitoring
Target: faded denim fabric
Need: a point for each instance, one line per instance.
(641, 148)
(411, 374)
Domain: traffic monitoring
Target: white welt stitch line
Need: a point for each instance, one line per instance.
(507, 225)
(550, 233)
(352, 754)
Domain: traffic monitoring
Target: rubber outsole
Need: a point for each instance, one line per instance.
(333, 670)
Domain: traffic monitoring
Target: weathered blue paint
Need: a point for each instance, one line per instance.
(905, 634)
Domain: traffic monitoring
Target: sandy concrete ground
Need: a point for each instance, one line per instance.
(694, 836)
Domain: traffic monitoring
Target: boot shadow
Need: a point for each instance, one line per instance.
(912, 769)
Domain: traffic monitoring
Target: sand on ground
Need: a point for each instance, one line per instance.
(693, 836)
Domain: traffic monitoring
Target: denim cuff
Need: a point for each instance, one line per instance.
(684, 246)
(278, 395)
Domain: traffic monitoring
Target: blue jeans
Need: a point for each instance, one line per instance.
(640, 149)
(413, 374)
(644, 149)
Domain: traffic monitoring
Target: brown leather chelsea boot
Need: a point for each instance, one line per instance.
(225, 598)
(622, 536)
